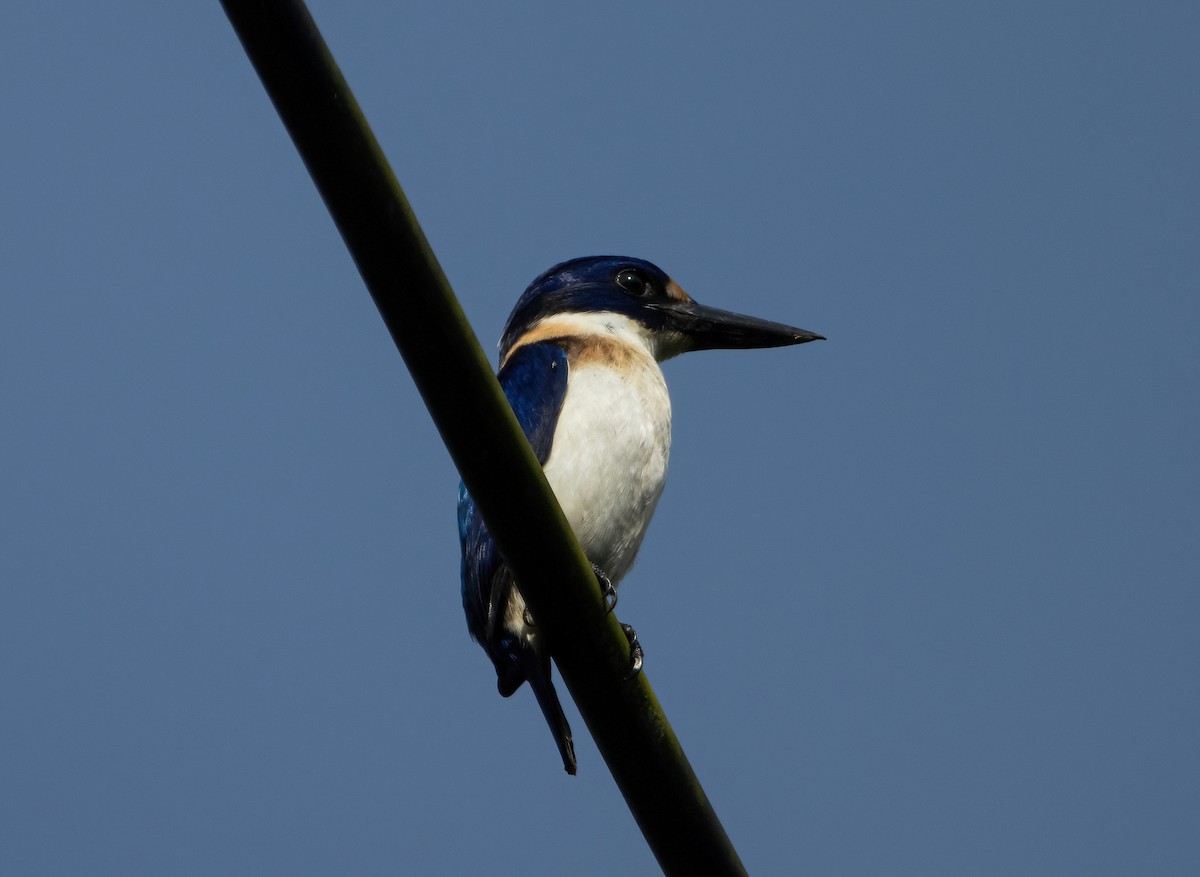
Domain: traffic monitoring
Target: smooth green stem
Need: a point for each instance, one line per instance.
(455, 379)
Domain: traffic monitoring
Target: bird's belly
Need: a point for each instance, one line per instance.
(608, 462)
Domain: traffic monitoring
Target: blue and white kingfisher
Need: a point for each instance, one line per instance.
(579, 364)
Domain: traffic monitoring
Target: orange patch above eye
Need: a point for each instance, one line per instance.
(675, 291)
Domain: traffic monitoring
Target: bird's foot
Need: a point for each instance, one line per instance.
(607, 589)
(635, 651)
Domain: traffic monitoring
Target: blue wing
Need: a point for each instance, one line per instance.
(535, 381)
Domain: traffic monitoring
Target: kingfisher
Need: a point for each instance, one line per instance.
(579, 364)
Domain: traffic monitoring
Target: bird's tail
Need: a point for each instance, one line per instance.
(537, 671)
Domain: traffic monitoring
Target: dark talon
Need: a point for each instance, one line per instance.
(635, 651)
(607, 589)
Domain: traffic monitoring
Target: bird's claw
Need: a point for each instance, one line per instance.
(607, 589)
(635, 651)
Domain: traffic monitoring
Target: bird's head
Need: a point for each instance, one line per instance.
(615, 293)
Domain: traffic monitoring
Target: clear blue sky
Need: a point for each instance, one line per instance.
(921, 599)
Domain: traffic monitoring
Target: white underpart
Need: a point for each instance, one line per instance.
(608, 462)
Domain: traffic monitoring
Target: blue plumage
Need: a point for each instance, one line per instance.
(534, 380)
(580, 286)
(579, 366)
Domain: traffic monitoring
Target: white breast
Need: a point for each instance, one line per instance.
(608, 462)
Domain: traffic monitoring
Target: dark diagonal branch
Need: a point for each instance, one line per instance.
(481, 433)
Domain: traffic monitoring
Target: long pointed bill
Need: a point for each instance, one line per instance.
(711, 328)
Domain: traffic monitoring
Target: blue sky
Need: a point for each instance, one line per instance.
(920, 599)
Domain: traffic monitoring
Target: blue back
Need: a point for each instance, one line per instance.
(535, 381)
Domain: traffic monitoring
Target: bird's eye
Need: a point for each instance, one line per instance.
(633, 282)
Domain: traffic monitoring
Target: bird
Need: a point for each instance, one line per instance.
(579, 365)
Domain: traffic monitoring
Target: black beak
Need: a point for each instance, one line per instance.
(711, 328)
